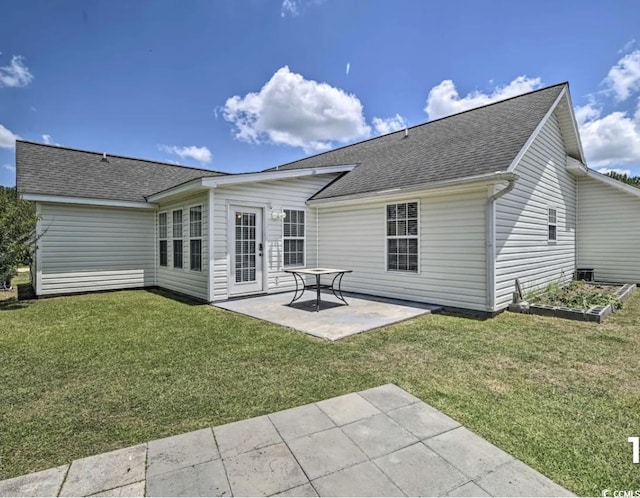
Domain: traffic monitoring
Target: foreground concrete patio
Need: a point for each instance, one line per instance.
(334, 320)
(379, 442)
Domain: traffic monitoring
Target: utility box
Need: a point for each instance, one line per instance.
(586, 274)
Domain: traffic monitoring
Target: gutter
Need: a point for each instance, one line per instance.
(490, 238)
(488, 178)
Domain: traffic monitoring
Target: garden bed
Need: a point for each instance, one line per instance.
(579, 300)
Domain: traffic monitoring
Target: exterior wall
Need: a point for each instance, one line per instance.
(90, 248)
(452, 249)
(522, 247)
(272, 195)
(184, 280)
(608, 231)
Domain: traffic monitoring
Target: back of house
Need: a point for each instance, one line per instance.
(450, 212)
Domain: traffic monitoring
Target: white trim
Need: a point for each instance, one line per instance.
(174, 238)
(234, 179)
(87, 200)
(38, 286)
(304, 237)
(613, 182)
(391, 194)
(398, 237)
(574, 124)
(262, 208)
(215, 181)
(210, 250)
(536, 131)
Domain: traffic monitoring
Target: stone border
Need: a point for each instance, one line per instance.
(593, 314)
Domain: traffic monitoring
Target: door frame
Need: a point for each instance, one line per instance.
(231, 206)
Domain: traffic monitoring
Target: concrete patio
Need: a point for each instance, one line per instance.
(379, 442)
(334, 320)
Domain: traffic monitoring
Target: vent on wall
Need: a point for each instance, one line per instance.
(586, 274)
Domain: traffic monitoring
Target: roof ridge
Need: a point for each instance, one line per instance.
(74, 149)
(419, 125)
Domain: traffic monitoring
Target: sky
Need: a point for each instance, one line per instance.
(243, 85)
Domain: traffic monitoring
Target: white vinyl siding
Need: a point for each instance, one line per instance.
(90, 248)
(608, 231)
(270, 196)
(523, 249)
(183, 280)
(452, 260)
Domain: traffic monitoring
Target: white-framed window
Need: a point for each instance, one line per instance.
(293, 237)
(162, 239)
(177, 238)
(553, 225)
(195, 238)
(402, 236)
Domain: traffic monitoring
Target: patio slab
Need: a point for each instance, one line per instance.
(334, 320)
(344, 446)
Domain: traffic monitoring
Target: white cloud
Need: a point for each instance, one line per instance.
(200, 154)
(609, 140)
(290, 7)
(627, 46)
(624, 78)
(7, 138)
(290, 110)
(348, 68)
(294, 8)
(48, 140)
(444, 100)
(9, 167)
(388, 125)
(605, 171)
(16, 74)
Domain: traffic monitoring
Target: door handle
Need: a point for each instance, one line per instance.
(260, 249)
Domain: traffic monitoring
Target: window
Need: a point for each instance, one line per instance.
(177, 224)
(177, 238)
(553, 224)
(177, 253)
(293, 237)
(162, 238)
(402, 237)
(195, 238)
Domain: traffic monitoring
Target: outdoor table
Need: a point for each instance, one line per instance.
(335, 286)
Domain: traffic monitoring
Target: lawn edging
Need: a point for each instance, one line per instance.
(593, 314)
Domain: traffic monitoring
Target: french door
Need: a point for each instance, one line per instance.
(245, 231)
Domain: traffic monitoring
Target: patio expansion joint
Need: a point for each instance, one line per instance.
(284, 441)
(224, 467)
(66, 474)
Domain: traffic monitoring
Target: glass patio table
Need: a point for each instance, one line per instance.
(335, 286)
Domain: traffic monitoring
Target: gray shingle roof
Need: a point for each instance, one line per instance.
(51, 170)
(475, 142)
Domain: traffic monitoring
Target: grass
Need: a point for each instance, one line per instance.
(86, 374)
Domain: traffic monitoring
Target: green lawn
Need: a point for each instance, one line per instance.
(86, 374)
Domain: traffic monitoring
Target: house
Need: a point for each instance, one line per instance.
(449, 212)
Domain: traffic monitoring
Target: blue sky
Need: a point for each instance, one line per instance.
(243, 85)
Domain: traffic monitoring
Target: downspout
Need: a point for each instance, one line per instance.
(317, 241)
(490, 237)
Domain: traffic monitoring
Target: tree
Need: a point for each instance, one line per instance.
(623, 177)
(17, 233)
